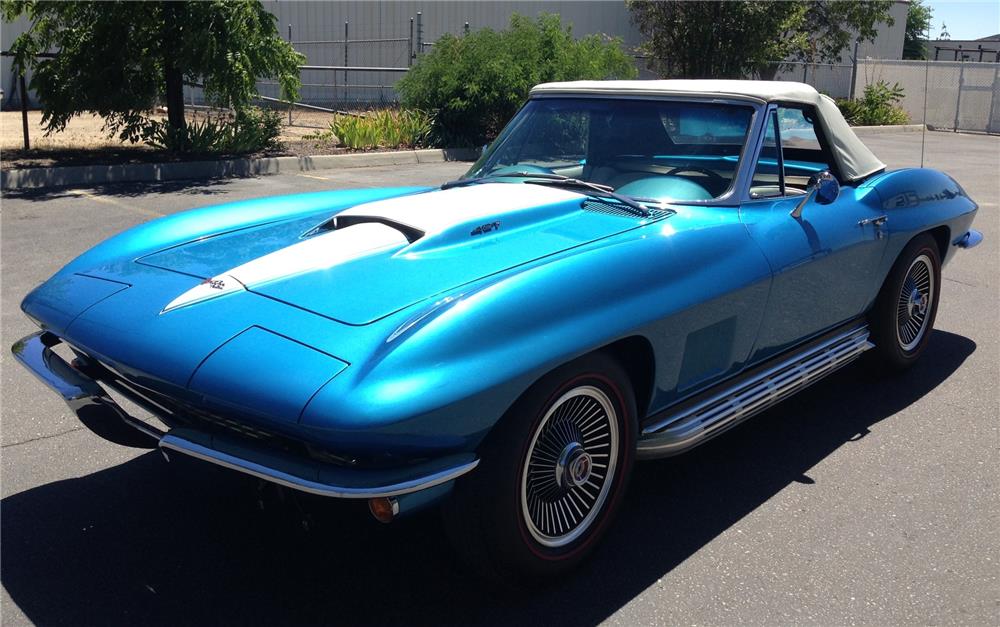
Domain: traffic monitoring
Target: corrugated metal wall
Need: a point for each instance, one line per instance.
(8, 32)
(324, 21)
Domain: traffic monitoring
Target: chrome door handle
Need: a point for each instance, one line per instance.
(877, 221)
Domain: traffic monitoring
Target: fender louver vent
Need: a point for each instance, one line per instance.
(615, 209)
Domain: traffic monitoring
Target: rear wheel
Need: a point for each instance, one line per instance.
(904, 312)
(552, 474)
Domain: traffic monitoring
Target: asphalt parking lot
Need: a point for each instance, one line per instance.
(863, 500)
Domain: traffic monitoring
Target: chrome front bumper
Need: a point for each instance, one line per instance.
(102, 415)
(970, 240)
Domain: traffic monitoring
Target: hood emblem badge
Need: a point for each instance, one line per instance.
(485, 228)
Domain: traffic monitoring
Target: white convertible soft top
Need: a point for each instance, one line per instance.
(854, 160)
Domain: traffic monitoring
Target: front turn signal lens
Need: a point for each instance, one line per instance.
(384, 509)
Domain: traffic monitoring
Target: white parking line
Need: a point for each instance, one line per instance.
(313, 176)
(107, 200)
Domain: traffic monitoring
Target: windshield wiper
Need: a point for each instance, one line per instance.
(463, 182)
(550, 178)
(601, 190)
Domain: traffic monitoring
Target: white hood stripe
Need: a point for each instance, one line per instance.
(315, 253)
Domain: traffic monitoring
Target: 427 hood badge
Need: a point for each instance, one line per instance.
(486, 228)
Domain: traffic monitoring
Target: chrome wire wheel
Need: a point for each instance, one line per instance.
(570, 466)
(913, 306)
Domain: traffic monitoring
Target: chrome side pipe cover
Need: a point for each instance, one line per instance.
(682, 430)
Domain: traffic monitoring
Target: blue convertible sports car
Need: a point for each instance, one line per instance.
(630, 269)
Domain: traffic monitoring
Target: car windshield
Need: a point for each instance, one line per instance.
(666, 150)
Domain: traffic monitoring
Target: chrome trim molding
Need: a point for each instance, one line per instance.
(970, 240)
(689, 427)
(35, 353)
(175, 443)
(84, 396)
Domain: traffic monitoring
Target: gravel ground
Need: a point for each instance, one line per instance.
(863, 500)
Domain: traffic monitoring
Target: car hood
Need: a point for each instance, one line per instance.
(377, 258)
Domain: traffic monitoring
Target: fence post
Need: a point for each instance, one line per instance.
(854, 71)
(420, 32)
(279, 92)
(345, 61)
(24, 110)
(958, 101)
(409, 59)
(993, 102)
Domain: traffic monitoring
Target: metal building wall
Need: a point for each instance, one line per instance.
(8, 32)
(324, 21)
(889, 42)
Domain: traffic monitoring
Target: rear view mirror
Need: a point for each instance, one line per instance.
(823, 188)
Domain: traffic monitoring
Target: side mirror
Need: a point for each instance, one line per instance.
(823, 188)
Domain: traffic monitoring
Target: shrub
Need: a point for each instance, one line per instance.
(248, 130)
(879, 105)
(381, 129)
(473, 85)
(253, 130)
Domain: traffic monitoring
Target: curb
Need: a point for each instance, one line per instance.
(149, 172)
(881, 130)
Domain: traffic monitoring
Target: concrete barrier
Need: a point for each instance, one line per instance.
(86, 175)
(881, 130)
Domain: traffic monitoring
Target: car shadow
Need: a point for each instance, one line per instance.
(152, 543)
(207, 187)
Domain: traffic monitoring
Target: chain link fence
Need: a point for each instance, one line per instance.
(945, 95)
(346, 72)
(833, 79)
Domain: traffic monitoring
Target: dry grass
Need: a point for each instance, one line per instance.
(84, 132)
(84, 142)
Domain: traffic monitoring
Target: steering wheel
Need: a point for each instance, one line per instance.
(715, 176)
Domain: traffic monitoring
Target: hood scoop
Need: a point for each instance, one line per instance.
(343, 221)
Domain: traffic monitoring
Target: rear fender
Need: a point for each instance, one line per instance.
(916, 200)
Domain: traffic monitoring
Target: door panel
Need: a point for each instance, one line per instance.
(825, 264)
(708, 297)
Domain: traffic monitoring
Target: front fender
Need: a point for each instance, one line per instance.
(456, 370)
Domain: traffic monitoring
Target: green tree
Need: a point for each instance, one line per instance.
(750, 38)
(918, 23)
(472, 85)
(120, 59)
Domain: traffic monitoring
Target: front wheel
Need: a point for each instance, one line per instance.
(904, 312)
(552, 474)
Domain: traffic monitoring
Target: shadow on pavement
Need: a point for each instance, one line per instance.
(125, 190)
(151, 543)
